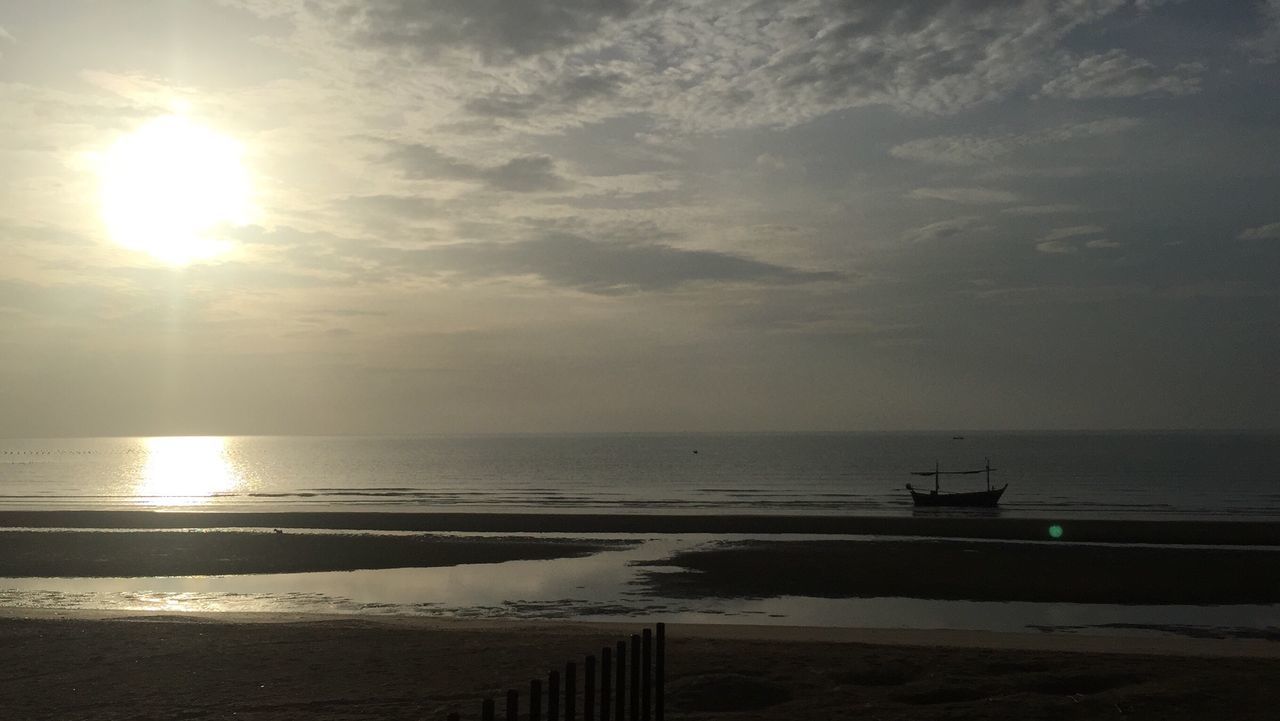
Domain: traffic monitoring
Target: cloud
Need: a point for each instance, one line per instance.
(922, 57)
(1055, 247)
(1073, 232)
(942, 229)
(559, 95)
(1262, 232)
(1114, 74)
(605, 268)
(1265, 47)
(497, 30)
(971, 196)
(1033, 210)
(396, 206)
(769, 161)
(696, 65)
(524, 174)
(527, 174)
(980, 149)
(1062, 241)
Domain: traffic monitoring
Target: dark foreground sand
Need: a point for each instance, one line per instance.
(978, 571)
(195, 668)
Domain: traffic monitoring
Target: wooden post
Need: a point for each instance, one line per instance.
(570, 691)
(553, 696)
(589, 689)
(486, 710)
(606, 677)
(513, 705)
(535, 700)
(646, 674)
(660, 673)
(635, 678)
(620, 690)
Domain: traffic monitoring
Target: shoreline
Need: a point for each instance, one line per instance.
(1173, 532)
(1055, 642)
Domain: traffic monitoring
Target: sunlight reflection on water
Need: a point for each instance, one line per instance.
(187, 470)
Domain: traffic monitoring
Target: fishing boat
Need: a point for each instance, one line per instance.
(989, 498)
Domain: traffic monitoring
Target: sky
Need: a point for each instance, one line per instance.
(457, 216)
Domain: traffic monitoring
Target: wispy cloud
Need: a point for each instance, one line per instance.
(968, 196)
(980, 149)
(1262, 232)
(1114, 74)
(602, 267)
(1064, 241)
(1033, 210)
(708, 64)
(1073, 232)
(942, 229)
(1055, 247)
(497, 31)
(523, 174)
(1265, 46)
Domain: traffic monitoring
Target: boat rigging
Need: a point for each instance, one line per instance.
(989, 498)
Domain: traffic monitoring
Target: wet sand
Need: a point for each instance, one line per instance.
(977, 571)
(929, 524)
(139, 667)
(836, 568)
(184, 553)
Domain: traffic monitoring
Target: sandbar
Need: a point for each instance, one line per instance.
(973, 570)
(932, 524)
(185, 553)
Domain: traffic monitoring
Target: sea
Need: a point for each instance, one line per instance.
(1159, 475)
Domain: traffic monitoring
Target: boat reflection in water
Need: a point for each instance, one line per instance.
(186, 471)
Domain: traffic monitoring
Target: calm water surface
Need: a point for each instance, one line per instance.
(1181, 475)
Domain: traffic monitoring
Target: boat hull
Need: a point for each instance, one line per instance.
(975, 499)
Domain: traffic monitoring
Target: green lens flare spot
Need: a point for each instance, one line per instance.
(1055, 531)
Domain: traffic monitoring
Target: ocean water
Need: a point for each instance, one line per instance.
(1125, 475)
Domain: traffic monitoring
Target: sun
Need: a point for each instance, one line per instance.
(170, 185)
(186, 470)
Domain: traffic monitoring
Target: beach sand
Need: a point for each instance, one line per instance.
(105, 667)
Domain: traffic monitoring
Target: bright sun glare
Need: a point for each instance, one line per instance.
(186, 470)
(168, 186)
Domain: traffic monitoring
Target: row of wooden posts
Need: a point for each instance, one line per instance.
(614, 694)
